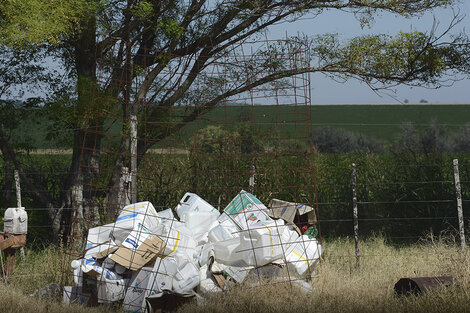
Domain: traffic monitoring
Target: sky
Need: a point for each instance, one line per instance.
(326, 91)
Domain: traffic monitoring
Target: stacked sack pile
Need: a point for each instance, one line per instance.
(145, 254)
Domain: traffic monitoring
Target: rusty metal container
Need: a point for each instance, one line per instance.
(419, 285)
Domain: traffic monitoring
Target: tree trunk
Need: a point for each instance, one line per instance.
(84, 170)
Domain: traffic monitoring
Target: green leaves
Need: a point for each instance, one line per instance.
(143, 9)
(405, 58)
(171, 27)
(36, 22)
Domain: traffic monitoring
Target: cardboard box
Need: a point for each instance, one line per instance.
(288, 210)
(100, 251)
(135, 252)
(244, 210)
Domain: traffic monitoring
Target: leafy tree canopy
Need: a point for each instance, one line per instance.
(36, 22)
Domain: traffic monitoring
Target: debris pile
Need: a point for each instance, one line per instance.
(146, 254)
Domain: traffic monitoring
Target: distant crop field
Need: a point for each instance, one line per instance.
(380, 121)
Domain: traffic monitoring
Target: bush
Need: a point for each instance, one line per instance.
(337, 140)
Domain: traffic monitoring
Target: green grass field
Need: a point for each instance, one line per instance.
(380, 121)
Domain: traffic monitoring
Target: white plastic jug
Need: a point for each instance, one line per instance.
(199, 221)
(203, 254)
(15, 221)
(261, 244)
(99, 270)
(192, 202)
(228, 251)
(186, 278)
(98, 235)
(166, 215)
(207, 284)
(224, 231)
(111, 290)
(303, 254)
(108, 263)
(162, 279)
(134, 216)
(177, 240)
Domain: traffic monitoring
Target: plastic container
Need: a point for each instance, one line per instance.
(228, 251)
(199, 222)
(94, 269)
(77, 272)
(302, 255)
(166, 215)
(206, 284)
(261, 244)
(119, 269)
(186, 278)
(203, 254)
(288, 235)
(99, 235)
(110, 290)
(192, 202)
(178, 241)
(15, 221)
(224, 231)
(134, 216)
(108, 263)
(162, 279)
(245, 210)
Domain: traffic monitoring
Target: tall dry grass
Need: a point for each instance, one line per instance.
(336, 287)
(339, 287)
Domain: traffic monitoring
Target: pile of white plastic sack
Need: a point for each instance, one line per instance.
(146, 253)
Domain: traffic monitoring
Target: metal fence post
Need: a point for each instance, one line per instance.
(355, 219)
(458, 195)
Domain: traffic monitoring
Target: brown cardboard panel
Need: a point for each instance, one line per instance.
(220, 279)
(287, 210)
(135, 259)
(104, 253)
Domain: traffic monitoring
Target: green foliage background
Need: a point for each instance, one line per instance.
(402, 194)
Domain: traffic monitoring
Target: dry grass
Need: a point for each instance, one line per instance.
(13, 300)
(41, 267)
(337, 286)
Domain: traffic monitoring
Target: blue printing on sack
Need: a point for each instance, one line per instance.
(132, 242)
(126, 217)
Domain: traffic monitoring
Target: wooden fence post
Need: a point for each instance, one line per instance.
(18, 189)
(458, 195)
(355, 215)
(133, 144)
(252, 179)
(18, 203)
(123, 195)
